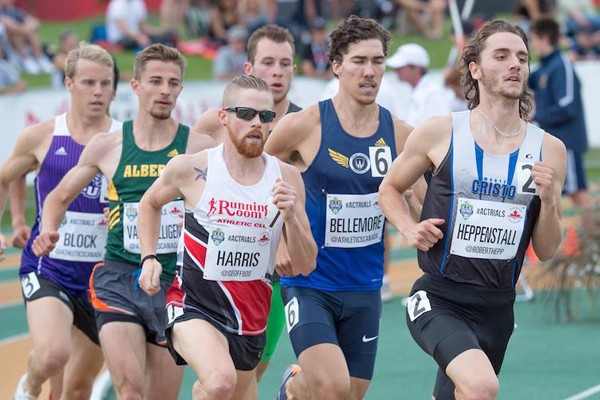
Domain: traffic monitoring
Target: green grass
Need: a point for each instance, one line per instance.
(198, 68)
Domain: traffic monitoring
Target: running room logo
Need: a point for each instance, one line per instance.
(103, 223)
(63, 222)
(335, 205)
(131, 212)
(514, 215)
(237, 209)
(264, 238)
(217, 236)
(466, 210)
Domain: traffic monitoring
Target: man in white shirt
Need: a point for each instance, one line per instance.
(127, 25)
(428, 98)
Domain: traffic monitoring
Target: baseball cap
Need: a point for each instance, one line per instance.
(409, 54)
(237, 32)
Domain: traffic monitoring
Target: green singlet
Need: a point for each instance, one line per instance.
(136, 172)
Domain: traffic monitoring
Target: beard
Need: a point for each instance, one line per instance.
(249, 148)
(493, 86)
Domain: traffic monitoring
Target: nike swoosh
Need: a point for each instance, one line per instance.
(366, 339)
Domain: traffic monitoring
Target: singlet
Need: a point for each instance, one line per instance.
(231, 238)
(136, 172)
(292, 108)
(83, 230)
(341, 202)
(489, 206)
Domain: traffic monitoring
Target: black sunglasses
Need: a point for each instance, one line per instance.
(247, 114)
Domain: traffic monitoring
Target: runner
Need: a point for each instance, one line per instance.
(496, 185)
(239, 201)
(131, 323)
(55, 287)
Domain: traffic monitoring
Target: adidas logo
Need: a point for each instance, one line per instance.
(60, 152)
(173, 153)
(380, 143)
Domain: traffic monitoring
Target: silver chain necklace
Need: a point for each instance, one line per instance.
(506, 135)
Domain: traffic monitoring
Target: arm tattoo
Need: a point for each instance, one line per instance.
(201, 173)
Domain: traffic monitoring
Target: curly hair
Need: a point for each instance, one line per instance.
(472, 53)
(353, 30)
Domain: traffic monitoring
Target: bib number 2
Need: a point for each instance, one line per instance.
(417, 305)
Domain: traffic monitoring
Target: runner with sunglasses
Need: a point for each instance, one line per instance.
(238, 202)
(271, 58)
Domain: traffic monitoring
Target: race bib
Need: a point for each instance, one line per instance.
(381, 160)
(30, 284)
(525, 183)
(292, 314)
(170, 229)
(353, 220)
(237, 253)
(487, 229)
(82, 237)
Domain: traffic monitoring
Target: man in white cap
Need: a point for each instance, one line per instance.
(429, 98)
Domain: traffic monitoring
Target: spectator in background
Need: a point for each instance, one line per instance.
(575, 15)
(10, 82)
(231, 58)
(585, 45)
(559, 108)
(197, 17)
(530, 10)
(172, 13)
(68, 41)
(127, 25)
(254, 14)
(427, 16)
(457, 101)
(429, 98)
(223, 16)
(294, 15)
(315, 61)
(21, 31)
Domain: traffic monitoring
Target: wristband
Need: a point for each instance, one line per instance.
(148, 257)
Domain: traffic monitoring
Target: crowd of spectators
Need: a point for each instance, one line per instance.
(224, 25)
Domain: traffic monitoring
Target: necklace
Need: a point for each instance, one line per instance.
(506, 135)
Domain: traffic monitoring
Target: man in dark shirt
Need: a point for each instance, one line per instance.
(559, 108)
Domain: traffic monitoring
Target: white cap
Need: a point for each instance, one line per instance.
(409, 54)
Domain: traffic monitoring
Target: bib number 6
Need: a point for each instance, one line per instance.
(381, 160)
(292, 314)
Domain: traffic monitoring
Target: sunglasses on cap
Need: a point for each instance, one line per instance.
(248, 114)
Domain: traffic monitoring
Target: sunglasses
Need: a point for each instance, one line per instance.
(248, 114)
